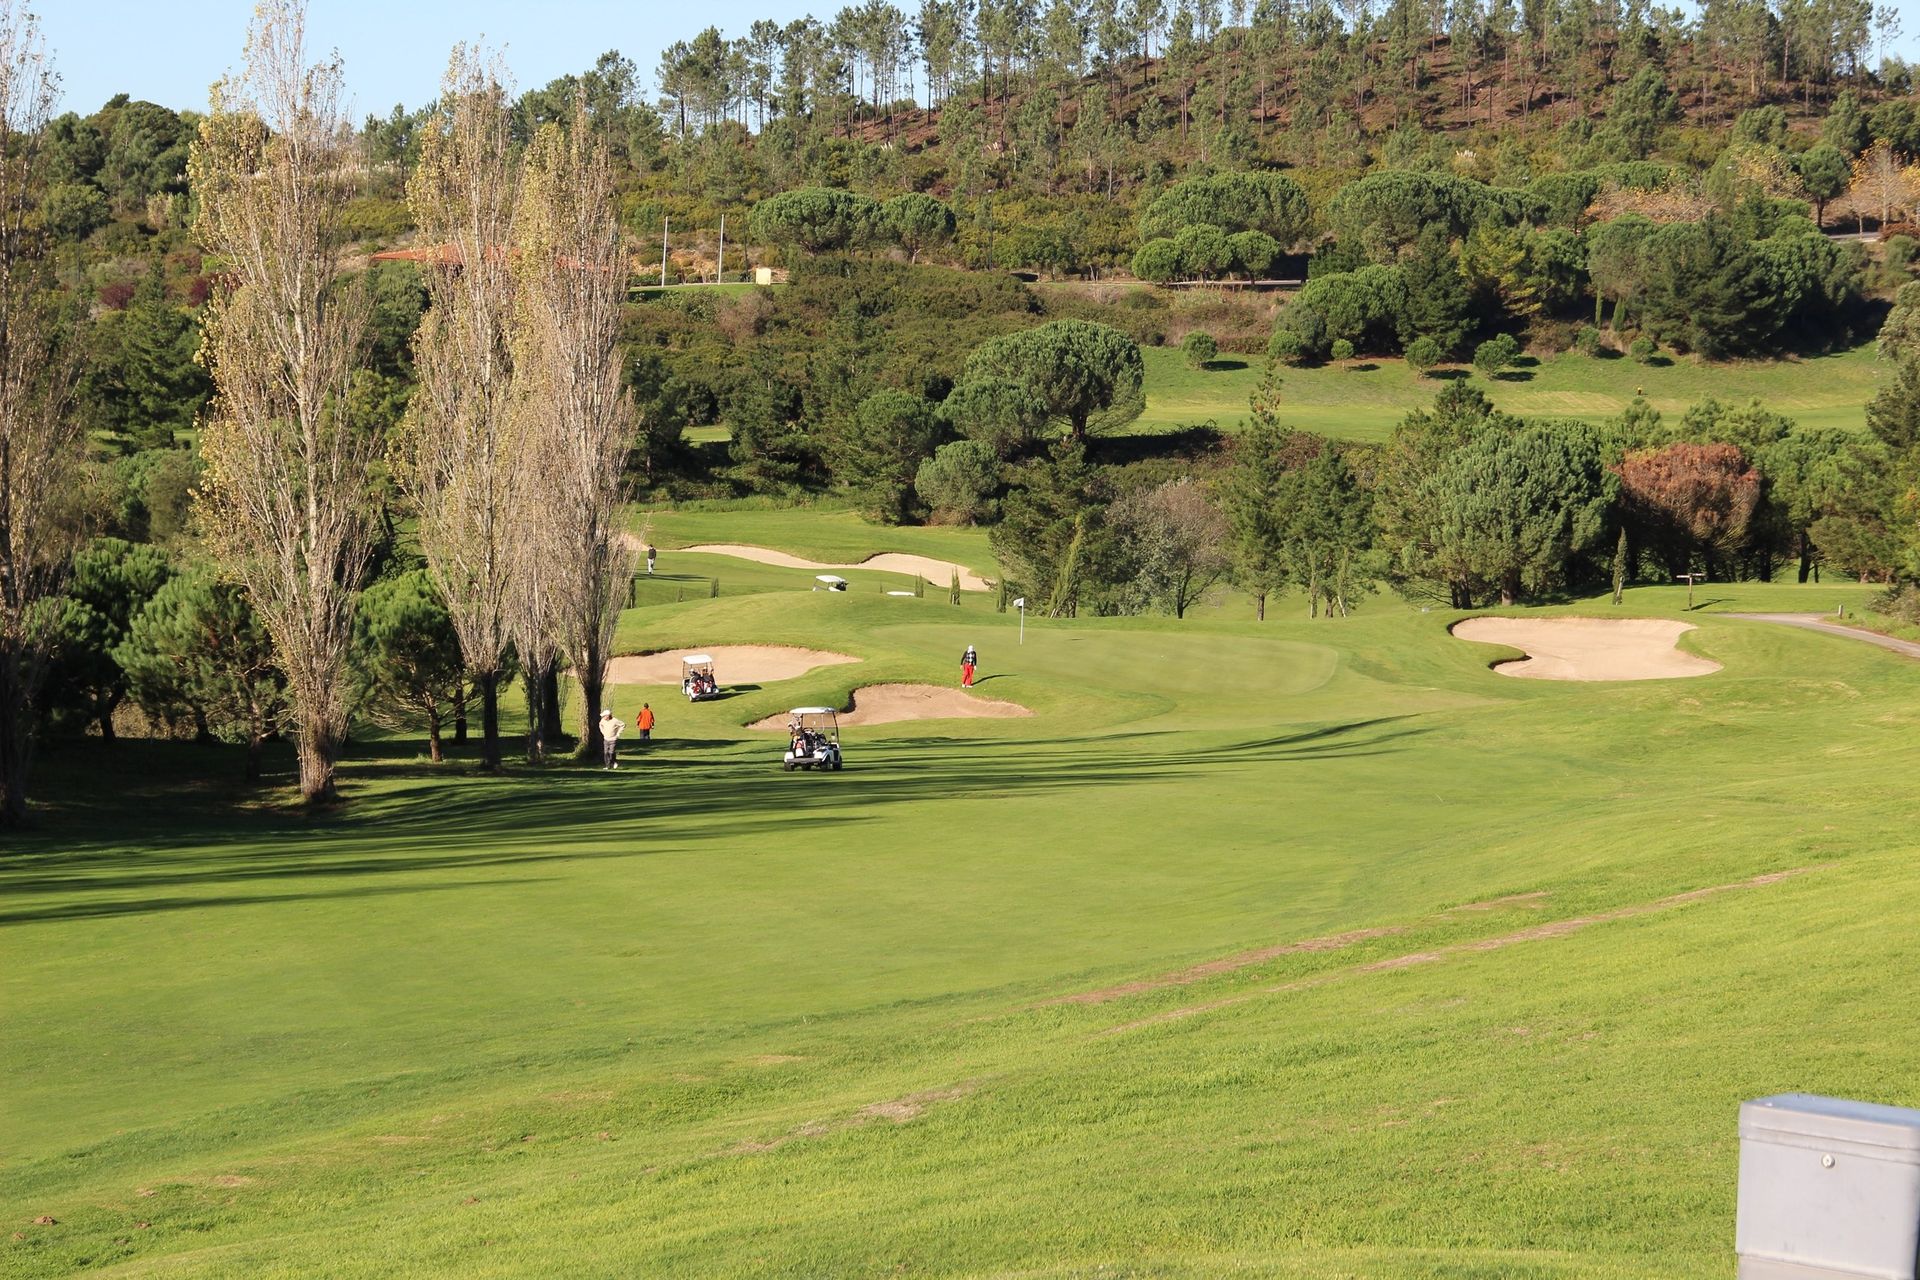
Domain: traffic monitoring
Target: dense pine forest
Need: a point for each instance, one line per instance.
(911, 261)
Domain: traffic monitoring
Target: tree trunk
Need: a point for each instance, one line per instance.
(1260, 606)
(531, 679)
(318, 751)
(550, 727)
(256, 741)
(434, 753)
(459, 710)
(591, 690)
(105, 718)
(489, 683)
(16, 740)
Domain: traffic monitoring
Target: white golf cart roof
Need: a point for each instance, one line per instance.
(813, 711)
(831, 579)
(697, 660)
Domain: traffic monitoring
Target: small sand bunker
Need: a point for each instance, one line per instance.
(732, 664)
(1589, 648)
(938, 572)
(888, 703)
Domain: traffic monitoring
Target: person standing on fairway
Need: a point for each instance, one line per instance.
(644, 722)
(651, 553)
(609, 738)
(968, 661)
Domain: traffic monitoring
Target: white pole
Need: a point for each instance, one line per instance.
(664, 223)
(720, 272)
(1023, 626)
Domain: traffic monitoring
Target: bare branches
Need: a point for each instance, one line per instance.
(41, 444)
(462, 449)
(286, 501)
(578, 414)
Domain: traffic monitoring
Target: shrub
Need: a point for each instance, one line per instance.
(1157, 262)
(1342, 349)
(1643, 350)
(1495, 354)
(1286, 346)
(1423, 354)
(1587, 340)
(1199, 349)
(1900, 251)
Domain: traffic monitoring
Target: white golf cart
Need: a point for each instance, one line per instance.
(813, 739)
(696, 677)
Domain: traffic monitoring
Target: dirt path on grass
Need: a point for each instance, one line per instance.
(892, 703)
(1535, 933)
(937, 572)
(732, 664)
(1589, 648)
(1819, 622)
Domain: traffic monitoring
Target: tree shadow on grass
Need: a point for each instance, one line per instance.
(1224, 366)
(1513, 375)
(1448, 375)
(667, 801)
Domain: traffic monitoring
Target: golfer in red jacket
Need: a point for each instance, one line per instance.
(968, 661)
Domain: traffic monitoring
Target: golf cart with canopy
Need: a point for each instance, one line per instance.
(696, 677)
(813, 739)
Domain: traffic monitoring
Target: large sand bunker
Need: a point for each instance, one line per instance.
(938, 572)
(1589, 648)
(889, 703)
(732, 664)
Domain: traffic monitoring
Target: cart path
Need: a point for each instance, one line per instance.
(1818, 622)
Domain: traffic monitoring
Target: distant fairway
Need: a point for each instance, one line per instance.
(1008, 997)
(1367, 399)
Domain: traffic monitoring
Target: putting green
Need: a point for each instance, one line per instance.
(1386, 965)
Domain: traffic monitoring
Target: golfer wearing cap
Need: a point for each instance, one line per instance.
(610, 727)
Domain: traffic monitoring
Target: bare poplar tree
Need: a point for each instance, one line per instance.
(460, 455)
(574, 274)
(287, 502)
(41, 444)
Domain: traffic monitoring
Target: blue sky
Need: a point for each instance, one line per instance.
(395, 50)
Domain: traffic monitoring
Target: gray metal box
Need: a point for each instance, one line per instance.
(1828, 1189)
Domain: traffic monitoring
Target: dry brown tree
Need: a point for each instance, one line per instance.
(574, 279)
(287, 501)
(41, 444)
(459, 456)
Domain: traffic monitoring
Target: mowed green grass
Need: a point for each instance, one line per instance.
(701, 1017)
(1366, 399)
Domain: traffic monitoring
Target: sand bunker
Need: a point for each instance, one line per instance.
(1589, 648)
(889, 703)
(732, 664)
(937, 572)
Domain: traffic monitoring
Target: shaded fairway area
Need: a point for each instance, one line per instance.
(1366, 399)
(1296, 949)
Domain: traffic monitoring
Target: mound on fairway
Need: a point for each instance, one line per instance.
(734, 663)
(934, 571)
(1589, 648)
(890, 703)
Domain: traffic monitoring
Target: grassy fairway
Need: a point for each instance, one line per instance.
(700, 1017)
(1366, 400)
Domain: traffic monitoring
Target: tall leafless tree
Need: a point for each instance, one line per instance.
(574, 274)
(461, 454)
(41, 444)
(287, 501)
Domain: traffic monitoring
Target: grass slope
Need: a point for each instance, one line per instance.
(702, 1017)
(1366, 400)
